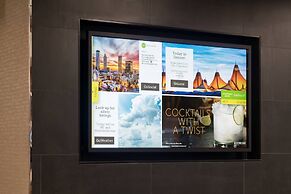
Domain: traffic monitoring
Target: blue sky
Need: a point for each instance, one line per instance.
(209, 59)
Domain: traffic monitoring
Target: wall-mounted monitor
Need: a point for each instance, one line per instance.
(150, 93)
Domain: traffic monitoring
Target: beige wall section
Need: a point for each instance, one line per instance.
(14, 97)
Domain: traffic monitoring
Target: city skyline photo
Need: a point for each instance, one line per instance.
(114, 49)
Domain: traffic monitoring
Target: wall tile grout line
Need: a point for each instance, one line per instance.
(40, 174)
(278, 153)
(74, 154)
(244, 177)
(273, 100)
(150, 12)
(151, 179)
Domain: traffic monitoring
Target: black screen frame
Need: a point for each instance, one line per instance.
(169, 34)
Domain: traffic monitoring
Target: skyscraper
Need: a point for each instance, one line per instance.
(164, 80)
(128, 66)
(119, 64)
(97, 60)
(105, 62)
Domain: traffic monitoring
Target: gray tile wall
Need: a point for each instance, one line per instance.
(56, 169)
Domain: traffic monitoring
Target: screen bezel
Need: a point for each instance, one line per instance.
(166, 34)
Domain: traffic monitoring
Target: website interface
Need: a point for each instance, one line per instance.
(148, 94)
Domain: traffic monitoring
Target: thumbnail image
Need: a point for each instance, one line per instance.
(139, 120)
(214, 69)
(202, 122)
(229, 124)
(115, 64)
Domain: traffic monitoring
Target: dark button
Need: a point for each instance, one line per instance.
(104, 140)
(179, 83)
(150, 86)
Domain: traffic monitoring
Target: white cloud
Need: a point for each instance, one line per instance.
(145, 109)
(141, 127)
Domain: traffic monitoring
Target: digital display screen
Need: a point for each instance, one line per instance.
(150, 94)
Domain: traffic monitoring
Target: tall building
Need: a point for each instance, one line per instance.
(120, 64)
(164, 80)
(128, 66)
(105, 62)
(97, 60)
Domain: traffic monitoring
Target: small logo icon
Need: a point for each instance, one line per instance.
(143, 45)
